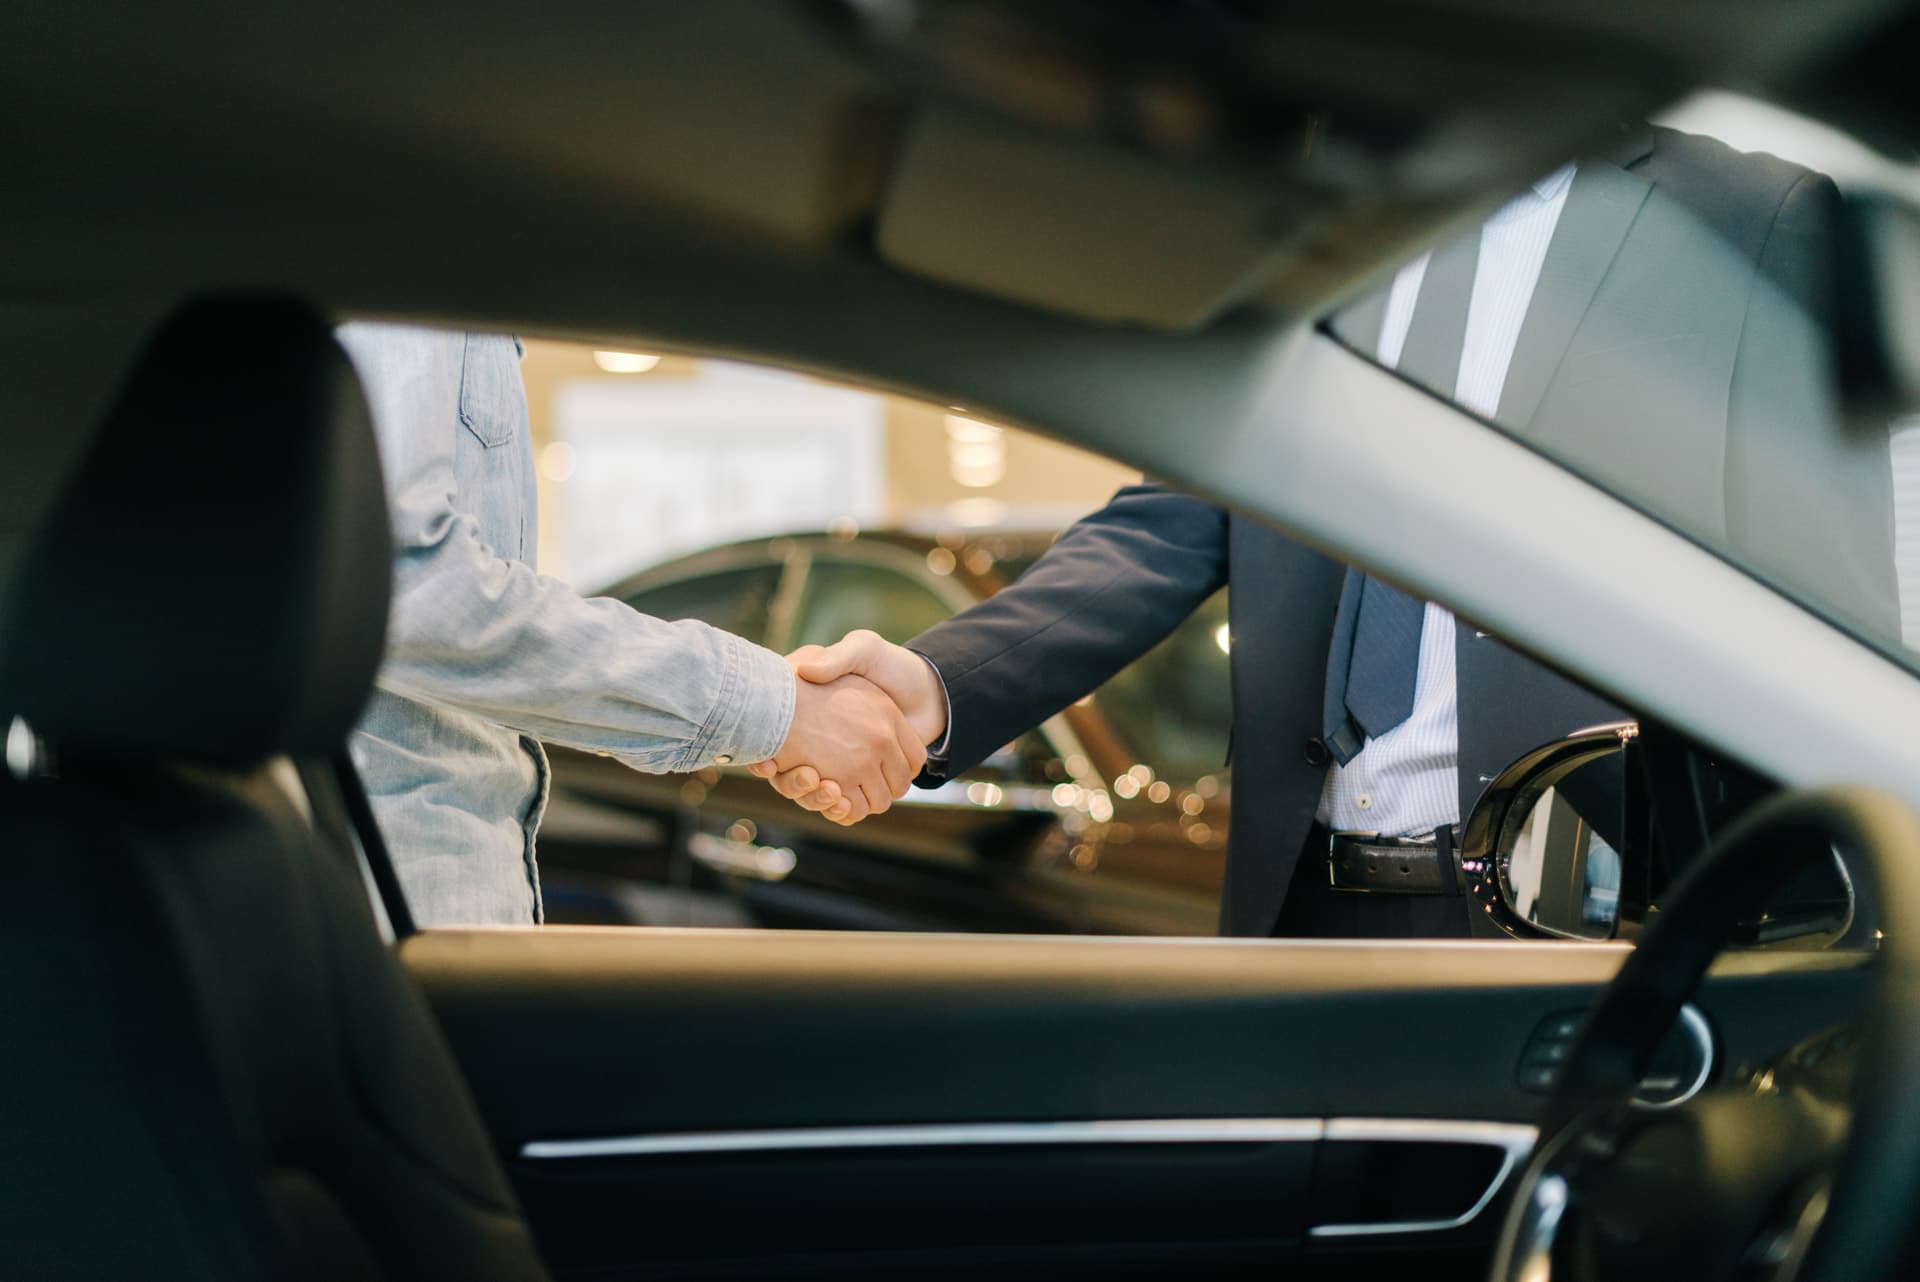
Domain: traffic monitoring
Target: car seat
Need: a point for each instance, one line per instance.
(211, 1065)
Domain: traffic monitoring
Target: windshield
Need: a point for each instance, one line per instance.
(1665, 319)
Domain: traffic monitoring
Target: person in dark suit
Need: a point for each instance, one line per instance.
(1659, 310)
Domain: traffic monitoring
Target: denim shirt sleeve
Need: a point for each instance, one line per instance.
(485, 633)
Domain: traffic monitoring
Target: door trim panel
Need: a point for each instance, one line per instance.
(1302, 1097)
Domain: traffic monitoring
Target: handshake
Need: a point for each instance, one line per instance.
(863, 714)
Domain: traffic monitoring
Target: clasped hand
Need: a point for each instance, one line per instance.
(864, 712)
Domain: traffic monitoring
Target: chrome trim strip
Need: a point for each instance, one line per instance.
(1516, 1140)
(1226, 1130)
(1846, 880)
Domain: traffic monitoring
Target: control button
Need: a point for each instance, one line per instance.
(1316, 753)
(724, 759)
(1539, 1078)
(1562, 1026)
(1544, 1052)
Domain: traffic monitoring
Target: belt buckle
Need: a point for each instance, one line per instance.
(1333, 841)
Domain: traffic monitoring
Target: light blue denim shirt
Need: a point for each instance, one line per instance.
(485, 657)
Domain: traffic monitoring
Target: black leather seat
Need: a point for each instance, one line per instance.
(210, 1064)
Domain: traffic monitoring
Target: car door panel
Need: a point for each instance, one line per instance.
(735, 1100)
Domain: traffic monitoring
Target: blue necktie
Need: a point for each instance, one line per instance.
(1373, 663)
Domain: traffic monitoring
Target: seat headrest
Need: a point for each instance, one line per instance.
(213, 585)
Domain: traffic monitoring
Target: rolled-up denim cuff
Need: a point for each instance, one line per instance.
(754, 710)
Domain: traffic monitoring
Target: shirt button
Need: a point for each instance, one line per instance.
(724, 759)
(1363, 801)
(1316, 753)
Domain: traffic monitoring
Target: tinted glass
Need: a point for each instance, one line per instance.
(844, 595)
(733, 600)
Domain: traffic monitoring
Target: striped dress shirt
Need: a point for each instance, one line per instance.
(1404, 783)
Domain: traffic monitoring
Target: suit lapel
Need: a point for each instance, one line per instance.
(1601, 206)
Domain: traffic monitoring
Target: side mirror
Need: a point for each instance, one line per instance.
(1579, 838)
(1542, 851)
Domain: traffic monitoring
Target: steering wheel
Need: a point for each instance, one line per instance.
(1775, 1181)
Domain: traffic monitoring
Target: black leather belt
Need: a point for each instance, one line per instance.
(1363, 862)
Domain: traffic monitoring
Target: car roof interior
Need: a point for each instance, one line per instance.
(969, 183)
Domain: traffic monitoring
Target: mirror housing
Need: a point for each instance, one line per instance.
(1544, 851)
(1579, 839)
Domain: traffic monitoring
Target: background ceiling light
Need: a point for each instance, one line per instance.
(625, 362)
(976, 452)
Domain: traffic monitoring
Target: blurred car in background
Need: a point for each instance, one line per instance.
(1110, 818)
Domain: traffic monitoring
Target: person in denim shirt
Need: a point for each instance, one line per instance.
(485, 657)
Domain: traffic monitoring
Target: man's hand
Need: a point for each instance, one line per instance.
(904, 676)
(846, 730)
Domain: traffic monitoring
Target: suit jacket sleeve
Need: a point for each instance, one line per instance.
(1115, 584)
(1809, 493)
